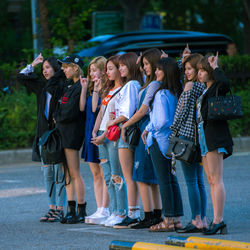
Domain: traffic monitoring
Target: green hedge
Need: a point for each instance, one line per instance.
(18, 109)
(17, 119)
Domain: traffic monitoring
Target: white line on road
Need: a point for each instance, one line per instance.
(95, 230)
(6, 193)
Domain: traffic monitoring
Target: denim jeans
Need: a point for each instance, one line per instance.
(55, 192)
(117, 191)
(169, 186)
(196, 189)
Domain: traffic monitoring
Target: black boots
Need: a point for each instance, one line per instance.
(81, 212)
(72, 217)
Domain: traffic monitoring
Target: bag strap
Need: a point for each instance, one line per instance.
(111, 98)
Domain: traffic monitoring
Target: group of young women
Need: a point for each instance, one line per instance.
(122, 91)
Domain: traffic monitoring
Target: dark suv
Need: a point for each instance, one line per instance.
(171, 41)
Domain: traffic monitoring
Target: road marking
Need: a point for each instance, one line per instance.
(95, 230)
(15, 192)
(10, 181)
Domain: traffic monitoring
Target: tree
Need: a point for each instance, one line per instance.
(246, 21)
(44, 17)
(132, 14)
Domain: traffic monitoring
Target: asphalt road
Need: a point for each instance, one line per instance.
(23, 201)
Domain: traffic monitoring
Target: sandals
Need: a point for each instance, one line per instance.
(164, 226)
(47, 216)
(56, 217)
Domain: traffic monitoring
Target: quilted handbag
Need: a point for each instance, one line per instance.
(51, 147)
(113, 133)
(224, 107)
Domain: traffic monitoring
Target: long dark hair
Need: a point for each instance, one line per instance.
(152, 56)
(171, 79)
(129, 59)
(53, 63)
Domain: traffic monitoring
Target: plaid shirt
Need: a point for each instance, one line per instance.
(184, 119)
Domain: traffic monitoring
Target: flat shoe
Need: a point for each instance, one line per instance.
(190, 228)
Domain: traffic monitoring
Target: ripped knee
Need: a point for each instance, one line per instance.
(102, 161)
(117, 181)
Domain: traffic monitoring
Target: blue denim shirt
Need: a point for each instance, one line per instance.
(161, 118)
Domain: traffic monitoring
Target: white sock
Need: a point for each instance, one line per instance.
(134, 212)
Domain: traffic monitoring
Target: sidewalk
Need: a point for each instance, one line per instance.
(241, 144)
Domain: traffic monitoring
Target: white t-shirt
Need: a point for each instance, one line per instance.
(127, 100)
(109, 106)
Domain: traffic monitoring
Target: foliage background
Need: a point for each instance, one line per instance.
(18, 109)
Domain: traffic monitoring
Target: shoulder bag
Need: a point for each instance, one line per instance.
(224, 107)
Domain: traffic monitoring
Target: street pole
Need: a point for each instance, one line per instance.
(34, 27)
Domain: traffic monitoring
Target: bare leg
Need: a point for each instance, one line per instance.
(76, 185)
(215, 179)
(156, 196)
(126, 158)
(146, 196)
(105, 195)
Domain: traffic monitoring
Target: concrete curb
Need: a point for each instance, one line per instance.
(125, 245)
(241, 144)
(205, 243)
(15, 156)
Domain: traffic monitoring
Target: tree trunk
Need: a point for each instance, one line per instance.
(71, 42)
(132, 14)
(44, 17)
(246, 21)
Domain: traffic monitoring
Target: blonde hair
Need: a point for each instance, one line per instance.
(100, 63)
(79, 71)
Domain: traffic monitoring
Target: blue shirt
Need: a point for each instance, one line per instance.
(161, 118)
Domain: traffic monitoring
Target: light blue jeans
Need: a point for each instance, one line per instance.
(196, 188)
(55, 191)
(117, 191)
(54, 183)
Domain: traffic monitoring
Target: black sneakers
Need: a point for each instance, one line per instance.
(127, 223)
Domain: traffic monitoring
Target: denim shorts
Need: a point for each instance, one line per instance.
(202, 141)
(122, 144)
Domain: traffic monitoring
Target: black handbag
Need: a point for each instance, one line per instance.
(224, 107)
(133, 134)
(51, 143)
(183, 150)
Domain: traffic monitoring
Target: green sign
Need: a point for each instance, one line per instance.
(107, 22)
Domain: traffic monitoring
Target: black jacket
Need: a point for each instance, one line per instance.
(217, 133)
(54, 86)
(69, 119)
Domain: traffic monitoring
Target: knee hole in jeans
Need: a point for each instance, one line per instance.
(117, 181)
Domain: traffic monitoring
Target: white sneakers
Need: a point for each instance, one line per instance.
(113, 220)
(98, 217)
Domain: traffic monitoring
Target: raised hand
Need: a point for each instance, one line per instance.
(163, 54)
(84, 82)
(97, 84)
(38, 59)
(186, 52)
(139, 58)
(213, 61)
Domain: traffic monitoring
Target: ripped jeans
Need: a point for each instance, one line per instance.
(56, 192)
(111, 169)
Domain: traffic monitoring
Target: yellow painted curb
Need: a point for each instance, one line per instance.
(205, 243)
(153, 246)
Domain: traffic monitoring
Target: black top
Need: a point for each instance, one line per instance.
(69, 119)
(217, 133)
(54, 86)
